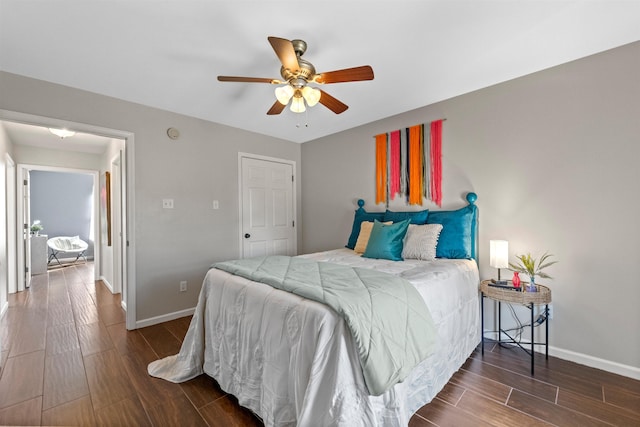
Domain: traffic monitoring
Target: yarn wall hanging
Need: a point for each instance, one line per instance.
(409, 164)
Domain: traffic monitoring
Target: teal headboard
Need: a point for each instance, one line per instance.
(459, 237)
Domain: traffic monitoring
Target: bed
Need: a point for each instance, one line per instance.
(296, 361)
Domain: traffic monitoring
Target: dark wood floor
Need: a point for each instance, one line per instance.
(67, 359)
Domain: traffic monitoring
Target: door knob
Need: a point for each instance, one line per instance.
(247, 235)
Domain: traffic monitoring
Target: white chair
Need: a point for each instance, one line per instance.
(73, 245)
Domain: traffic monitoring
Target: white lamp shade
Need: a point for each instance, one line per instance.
(311, 95)
(284, 94)
(499, 253)
(297, 104)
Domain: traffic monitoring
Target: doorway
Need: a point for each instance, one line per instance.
(126, 176)
(63, 201)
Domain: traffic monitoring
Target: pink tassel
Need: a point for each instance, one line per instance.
(436, 162)
(394, 159)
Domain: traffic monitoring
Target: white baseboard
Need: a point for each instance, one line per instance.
(106, 283)
(582, 359)
(165, 317)
(595, 362)
(4, 308)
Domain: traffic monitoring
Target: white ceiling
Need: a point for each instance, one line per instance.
(167, 54)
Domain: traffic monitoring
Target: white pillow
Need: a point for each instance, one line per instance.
(68, 243)
(65, 242)
(76, 243)
(421, 241)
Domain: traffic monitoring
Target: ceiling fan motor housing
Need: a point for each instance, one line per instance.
(306, 71)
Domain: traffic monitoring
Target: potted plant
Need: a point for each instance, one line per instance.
(36, 227)
(530, 266)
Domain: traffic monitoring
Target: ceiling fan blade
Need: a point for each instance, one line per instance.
(248, 79)
(286, 53)
(332, 103)
(276, 108)
(354, 74)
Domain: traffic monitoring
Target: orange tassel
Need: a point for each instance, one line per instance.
(415, 166)
(381, 168)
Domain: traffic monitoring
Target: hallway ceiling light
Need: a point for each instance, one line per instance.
(62, 133)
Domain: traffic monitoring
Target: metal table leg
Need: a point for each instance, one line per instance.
(482, 321)
(546, 331)
(499, 322)
(532, 337)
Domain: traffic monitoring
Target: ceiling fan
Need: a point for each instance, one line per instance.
(297, 74)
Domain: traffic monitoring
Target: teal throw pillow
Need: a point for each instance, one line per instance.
(386, 240)
(455, 237)
(360, 216)
(416, 217)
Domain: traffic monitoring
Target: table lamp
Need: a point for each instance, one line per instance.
(499, 256)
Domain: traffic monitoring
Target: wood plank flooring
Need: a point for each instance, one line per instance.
(67, 359)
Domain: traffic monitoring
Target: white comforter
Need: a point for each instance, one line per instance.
(292, 361)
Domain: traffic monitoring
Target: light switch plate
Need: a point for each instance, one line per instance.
(167, 203)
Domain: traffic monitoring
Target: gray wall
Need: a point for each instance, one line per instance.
(170, 245)
(63, 202)
(554, 158)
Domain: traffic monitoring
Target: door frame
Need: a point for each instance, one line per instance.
(116, 222)
(12, 269)
(23, 220)
(294, 200)
(128, 199)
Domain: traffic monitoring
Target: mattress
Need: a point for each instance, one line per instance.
(293, 362)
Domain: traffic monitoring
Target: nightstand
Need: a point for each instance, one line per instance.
(529, 300)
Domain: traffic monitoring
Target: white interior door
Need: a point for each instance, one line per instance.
(268, 208)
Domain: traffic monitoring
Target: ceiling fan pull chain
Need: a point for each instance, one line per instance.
(306, 119)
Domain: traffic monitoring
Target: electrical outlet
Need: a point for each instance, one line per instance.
(550, 312)
(183, 286)
(216, 204)
(167, 203)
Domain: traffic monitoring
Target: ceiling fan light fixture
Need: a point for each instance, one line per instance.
(284, 94)
(62, 133)
(311, 95)
(297, 104)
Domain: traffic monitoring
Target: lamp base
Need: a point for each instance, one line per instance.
(499, 282)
